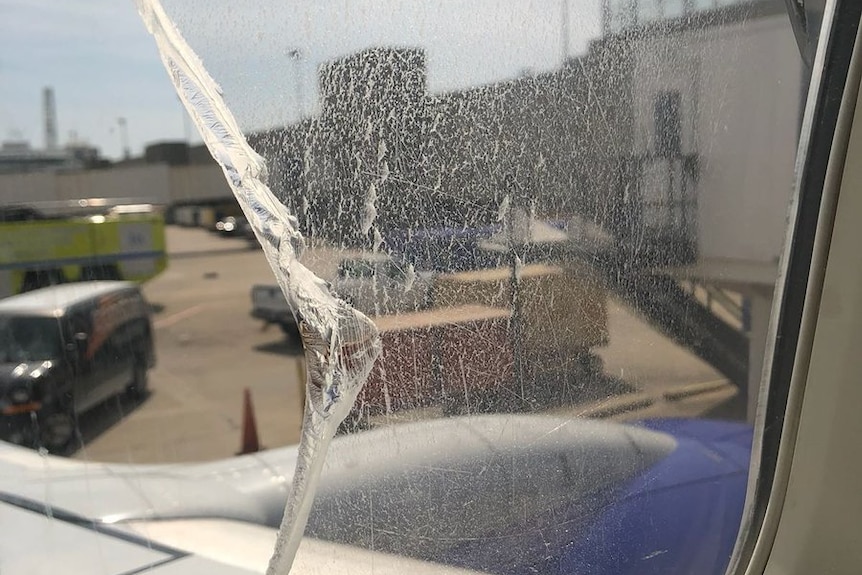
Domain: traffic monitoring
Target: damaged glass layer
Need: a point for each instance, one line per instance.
(592, 237)
(341, 344)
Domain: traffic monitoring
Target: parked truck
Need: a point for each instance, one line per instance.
(269, 305)
(373, 283)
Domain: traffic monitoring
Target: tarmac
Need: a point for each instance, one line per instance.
(209, 350)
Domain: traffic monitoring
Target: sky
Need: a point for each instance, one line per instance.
(103, 65)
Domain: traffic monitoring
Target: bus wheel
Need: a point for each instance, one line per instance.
(140, 380)
(291, 330)
(57, 429)
(36, 279)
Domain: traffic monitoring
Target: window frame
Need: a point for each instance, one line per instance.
(826, 117)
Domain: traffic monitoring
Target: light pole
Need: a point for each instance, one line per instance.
(516, 227)
(295, 55)
(124, 137)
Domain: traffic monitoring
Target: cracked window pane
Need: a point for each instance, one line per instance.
(444, 287)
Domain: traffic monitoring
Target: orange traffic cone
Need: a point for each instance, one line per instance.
(249, 442)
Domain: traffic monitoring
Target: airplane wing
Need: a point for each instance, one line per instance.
(65, 516)
(47, 540)
(458, 495)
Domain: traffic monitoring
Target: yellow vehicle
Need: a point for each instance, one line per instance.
(117, 243)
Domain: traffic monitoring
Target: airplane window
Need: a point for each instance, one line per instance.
(578, 212)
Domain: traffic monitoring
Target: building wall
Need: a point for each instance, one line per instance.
(748, 173)
(144, 183)
(28, 187)
(448, 159)
(151, 183)
(188, 184)
(740, 85)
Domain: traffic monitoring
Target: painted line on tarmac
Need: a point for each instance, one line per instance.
(179, 316)
(207, 252)
(636, 401)
(690, 390)
(617, 405)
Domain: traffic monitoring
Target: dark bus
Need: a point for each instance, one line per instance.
(64, 350)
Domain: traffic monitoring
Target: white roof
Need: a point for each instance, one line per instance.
(46, 300)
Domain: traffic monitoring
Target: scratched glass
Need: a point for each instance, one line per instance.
(572, 203)
(522, 256)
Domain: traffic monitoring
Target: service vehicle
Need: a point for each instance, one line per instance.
(115, 243)
(377, 284)
(373, 283)
(268, 303)
(66, 349)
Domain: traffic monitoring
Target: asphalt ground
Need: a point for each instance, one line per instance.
(209, 350)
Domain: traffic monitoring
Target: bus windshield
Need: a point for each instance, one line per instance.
(24, 338)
